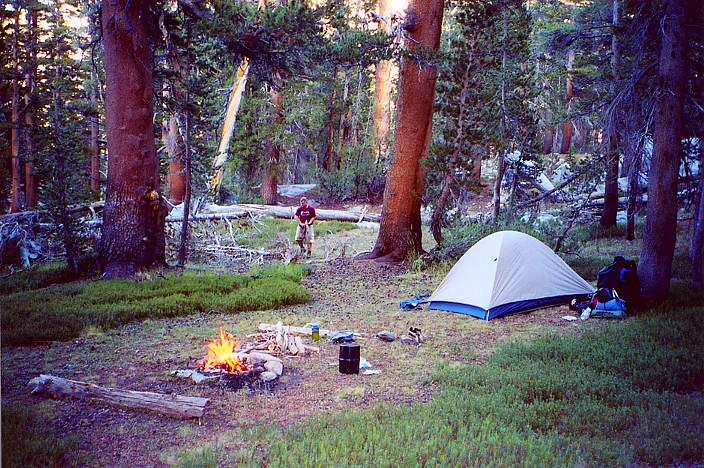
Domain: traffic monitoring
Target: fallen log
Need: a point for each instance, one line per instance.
(286, 212)
(22, 216)
(176, 406)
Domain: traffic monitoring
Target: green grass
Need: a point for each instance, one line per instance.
(44, 275)
(26, 441)
(205, 457)
(63, 312)
(624, 393)
(266, 232)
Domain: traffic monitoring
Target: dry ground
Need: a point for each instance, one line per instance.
(345, 294)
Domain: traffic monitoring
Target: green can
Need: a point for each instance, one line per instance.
(315, 332)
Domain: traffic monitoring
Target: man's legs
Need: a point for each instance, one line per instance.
(310, 237)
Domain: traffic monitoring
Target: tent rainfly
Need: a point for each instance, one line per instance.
(506, 273)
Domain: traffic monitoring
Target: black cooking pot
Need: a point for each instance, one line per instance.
(349, 358)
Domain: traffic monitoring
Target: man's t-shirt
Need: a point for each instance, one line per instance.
(305, 214)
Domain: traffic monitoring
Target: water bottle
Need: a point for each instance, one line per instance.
(315, 332)
(586, 313)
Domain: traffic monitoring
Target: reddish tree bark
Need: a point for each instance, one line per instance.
(661, 222)
(399, 233)
(15, 132)
(382, 92)
(175, 148)
(133, 224)
(269, 190)
(567, 128)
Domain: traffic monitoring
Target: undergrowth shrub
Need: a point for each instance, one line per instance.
(26, 441)
(266, 232)
(626, 393)
(463, 234)
(46, 274)
(63, 312)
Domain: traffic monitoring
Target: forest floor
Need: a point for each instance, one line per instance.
(345, 294)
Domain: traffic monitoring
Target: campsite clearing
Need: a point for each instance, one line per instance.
(362, 296)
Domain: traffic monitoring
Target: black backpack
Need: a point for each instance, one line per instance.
(621, 275)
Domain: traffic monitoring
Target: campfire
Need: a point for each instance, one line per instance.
(234, 365)
(223, 357)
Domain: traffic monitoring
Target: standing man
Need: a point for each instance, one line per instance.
(305, 215)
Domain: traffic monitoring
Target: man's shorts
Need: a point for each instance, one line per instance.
(307, 233)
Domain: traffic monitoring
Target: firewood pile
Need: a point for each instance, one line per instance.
(282, 340)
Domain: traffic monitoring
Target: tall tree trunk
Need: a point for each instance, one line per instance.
(610, 210)
(353, 120)
(175, 148)
(567, 127)
(345, 114)
(186, 159)
(697, 245)
(476, 156)
(382, 92)
(661, 222)
(17, 198)
(59, 156)
(633, 191)
(400, 233)
(94, 134)
(269, 190)
(29, 175)
(131, 234)
(548, 140)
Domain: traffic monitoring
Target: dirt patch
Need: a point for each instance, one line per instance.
(346, 294)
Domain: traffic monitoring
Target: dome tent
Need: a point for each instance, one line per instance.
(506, 273)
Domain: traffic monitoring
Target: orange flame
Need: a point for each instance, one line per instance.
(222, 356)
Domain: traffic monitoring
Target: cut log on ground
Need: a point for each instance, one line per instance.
(286, 212)
(176, 406)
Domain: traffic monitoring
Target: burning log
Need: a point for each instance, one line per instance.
(176, 406)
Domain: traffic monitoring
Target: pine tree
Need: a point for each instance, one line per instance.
(133, 220)
(661, 222)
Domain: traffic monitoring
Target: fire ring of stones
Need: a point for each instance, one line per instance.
(259, 368)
